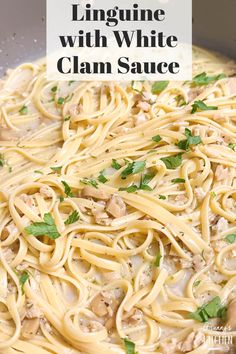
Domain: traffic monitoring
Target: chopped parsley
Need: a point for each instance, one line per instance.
(90, 182)
(213, 194)
(45, 228)
(178, 180)
(63, 100)
(201, 106)
(190, 141)
(202, 79)
(39, 172)
(142, 186)
(162, 197)
(133, 168)
(73, 217)
(67, 189)
(70, 82)
(102, 178)
(159, 86)
(54, 89)
(67, 118)
(232, 146)
(23, 110)
(196, 283)
(212, 309)
(129, 346)
(56, 169)
(131, 189)
(231, 238)
(180, 101)
(172, 162)
(158, 259)
(2, 161)
(115, 165)
(23, 279)
(156, 138)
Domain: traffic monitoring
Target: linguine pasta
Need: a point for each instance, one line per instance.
(117, 212)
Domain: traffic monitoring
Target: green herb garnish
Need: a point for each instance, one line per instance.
(158, 259)
(56, 169)
(129, 346)
(73, 217)
(115, 165)
(133, 168)
(60, 100)
(46, 228)
(67, 118)
(156, 138)
(180, 101)
(232, 146)
(39, 172)
(23, 279)
(102, 178)
(196, 283)
(23, 110)
(178, 180)
(190, 141)
(212, 309)
(131, 189)
(54, 89)
(2, 161)
(142, 186)
(90, 182)
(201, 106)
(67, 189)
(231, 238)
(172, 162)
(159, 86)
(202, 79)
(162, 197)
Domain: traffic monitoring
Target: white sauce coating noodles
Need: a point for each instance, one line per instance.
(117, 212)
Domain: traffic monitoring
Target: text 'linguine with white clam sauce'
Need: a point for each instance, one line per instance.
(117, 213)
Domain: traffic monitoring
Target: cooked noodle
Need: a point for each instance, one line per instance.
(128, 263)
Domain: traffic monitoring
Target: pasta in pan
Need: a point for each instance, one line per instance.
(117, 212)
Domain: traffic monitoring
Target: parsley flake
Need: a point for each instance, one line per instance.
(201, 106)
(23, 279)
(56, 169)
(46, 228)
(102, 178)
(178, 180)
(115, 165)
(156, 138)
(172, 162)
(73, 217)
(158, 259)
(202, 79)
(129, 346)
(190, 141)
(159, 86)
(231, 238)
(2, 161)
(23, 110)
(212, 309)
(67, 189)
(90, 182)
(54, 89)
(133, 168)
(232, 146)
